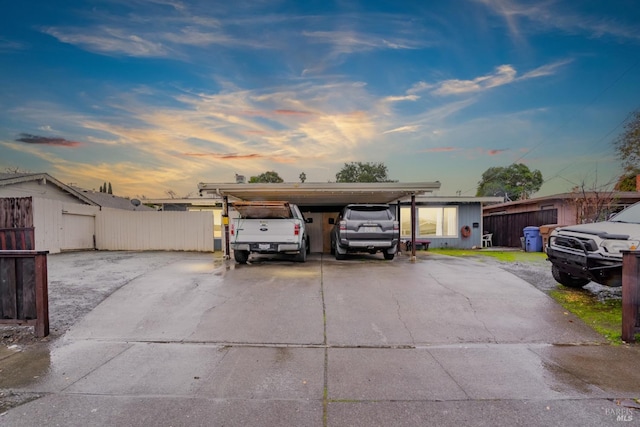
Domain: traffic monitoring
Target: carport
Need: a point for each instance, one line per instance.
(318, 200)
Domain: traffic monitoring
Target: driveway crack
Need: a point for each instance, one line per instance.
(473, 309)
(399, 312)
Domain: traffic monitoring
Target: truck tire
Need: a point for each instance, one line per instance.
(387, 255)
(566, 279)
(241, 256)
(302, 255)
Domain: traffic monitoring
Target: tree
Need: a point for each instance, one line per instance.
(104, 187)
(363, 172)
(592, 204)
(266, 177)
(110, 191)
(627, 182)
(627, 144)
(303, 177)
(515, 182)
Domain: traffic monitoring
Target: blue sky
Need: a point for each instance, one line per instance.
(158, 95)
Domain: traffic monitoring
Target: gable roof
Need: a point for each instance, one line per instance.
(17, 178)
(107, 200)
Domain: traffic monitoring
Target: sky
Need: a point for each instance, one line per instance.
(155, 96)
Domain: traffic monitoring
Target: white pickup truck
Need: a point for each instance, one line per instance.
(268, 228)
(592, 252)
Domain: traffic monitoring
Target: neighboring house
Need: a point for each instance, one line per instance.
(507, 220)
(63, 217)
(68, 218)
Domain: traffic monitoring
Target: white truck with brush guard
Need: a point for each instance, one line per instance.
(269, 227)
(593, 252)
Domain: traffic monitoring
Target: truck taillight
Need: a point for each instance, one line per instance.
(343, 225)
(396, 226)
(232, 230)
(296, 230)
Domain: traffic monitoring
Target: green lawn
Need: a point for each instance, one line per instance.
(507, 256)
(605, 317)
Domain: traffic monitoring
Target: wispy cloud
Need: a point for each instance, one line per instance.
(504, 74)
(403, 129)
(535, 17)
(43, 140)
(440, 150)
(495, 152)
(109, 41)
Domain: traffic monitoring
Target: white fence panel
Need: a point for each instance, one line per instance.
(47, 222)
(61, 225)
(138, 231)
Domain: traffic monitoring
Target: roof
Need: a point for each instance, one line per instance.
(107, 200)
(17, 178)
(320, 194)
(630, 196)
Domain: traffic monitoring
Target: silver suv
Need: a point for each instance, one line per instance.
(365, 228)
(592, 252)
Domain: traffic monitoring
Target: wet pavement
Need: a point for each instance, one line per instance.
(361, 342)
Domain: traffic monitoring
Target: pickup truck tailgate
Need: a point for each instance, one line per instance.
(265, 230)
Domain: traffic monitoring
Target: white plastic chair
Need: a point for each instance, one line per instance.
(486, 240)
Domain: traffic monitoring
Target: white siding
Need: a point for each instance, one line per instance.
(179, 231)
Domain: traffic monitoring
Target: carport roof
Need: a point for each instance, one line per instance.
(321, 194)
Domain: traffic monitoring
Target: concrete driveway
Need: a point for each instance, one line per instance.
(361, 342)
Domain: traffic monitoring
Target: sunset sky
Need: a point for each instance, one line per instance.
(159, 95)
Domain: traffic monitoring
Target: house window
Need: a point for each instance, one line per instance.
(435, 221)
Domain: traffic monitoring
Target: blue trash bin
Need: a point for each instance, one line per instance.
(532, 239)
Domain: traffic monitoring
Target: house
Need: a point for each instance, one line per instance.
(507, 220)
(67, 218)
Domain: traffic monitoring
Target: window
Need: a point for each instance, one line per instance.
(435, 221)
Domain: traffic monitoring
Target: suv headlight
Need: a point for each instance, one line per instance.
(615, 246)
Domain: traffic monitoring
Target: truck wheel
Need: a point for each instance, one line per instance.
(387, 255)
(567, 279)
(241, 256)
(302, 255)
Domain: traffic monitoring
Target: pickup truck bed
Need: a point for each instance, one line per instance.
(268, 228)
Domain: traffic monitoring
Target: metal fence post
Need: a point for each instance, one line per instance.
(630, 295)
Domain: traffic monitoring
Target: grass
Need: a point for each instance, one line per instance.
(605, 317)
(507, 256)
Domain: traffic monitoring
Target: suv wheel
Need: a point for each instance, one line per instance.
(387, 255)
(338, 255)
(566, 279)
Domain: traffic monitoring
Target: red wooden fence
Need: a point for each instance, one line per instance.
(24, 298)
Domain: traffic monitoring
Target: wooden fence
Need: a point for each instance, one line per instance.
(24, 298)
(508, 228)
(16, 212)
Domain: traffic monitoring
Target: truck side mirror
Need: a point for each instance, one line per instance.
(332, 221)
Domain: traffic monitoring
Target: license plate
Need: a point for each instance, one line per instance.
(264, 246)
(370, 229)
